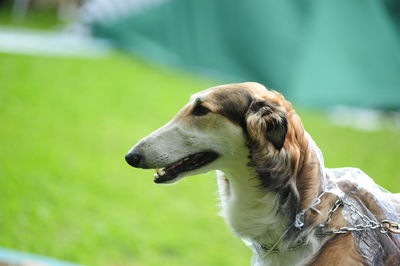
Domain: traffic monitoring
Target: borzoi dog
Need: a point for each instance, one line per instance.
(275, 192)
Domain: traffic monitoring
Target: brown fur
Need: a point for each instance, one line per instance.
(292, 171)
(298, 162)
(341, 250)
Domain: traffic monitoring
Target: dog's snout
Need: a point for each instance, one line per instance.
(133, 159)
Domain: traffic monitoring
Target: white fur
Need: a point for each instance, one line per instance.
(252, 215)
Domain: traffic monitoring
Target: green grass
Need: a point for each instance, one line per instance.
(66, 192)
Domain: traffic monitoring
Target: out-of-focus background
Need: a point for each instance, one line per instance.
(82, 81)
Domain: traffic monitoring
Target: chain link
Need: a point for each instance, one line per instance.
(367, 223)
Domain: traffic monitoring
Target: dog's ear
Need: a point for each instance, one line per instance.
(266, 121)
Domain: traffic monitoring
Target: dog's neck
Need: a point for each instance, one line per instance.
(248, 210)
(253, 212)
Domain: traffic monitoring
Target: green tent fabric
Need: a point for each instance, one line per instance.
(317, 52)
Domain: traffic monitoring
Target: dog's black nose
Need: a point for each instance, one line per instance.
(133, 159)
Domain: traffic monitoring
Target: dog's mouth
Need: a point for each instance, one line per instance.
(186, 164)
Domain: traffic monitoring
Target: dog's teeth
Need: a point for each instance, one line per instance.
(160, 172)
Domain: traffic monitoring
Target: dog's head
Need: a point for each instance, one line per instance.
(217, 128)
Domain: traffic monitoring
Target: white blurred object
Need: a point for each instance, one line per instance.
(51, 43)
(364, 118)
(93, 11)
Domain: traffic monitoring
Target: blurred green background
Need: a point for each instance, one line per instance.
(66, 191)
(317, 52)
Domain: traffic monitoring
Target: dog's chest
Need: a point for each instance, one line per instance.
(254, 218)
(256, 221)
(249, 215)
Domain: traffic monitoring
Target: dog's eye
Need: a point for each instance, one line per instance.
(200, 110)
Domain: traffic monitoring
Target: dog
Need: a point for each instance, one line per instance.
(276, 195)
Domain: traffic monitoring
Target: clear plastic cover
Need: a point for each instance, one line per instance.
(364, 204)
(376, 246)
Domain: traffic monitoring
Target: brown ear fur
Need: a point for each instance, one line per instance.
(280, 151)
(266, 121)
